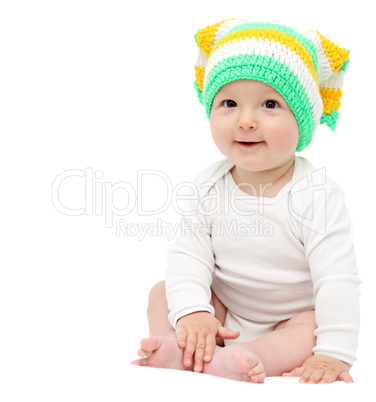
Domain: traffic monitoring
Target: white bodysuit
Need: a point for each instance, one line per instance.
(268, 259)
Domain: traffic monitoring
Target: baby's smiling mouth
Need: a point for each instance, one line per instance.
(249, 144)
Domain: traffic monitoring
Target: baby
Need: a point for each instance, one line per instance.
(262, 278)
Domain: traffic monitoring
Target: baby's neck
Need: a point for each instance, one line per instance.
(266, 183)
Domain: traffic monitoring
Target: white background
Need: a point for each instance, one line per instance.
(107, 87)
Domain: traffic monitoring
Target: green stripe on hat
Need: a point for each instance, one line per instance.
(308, 44)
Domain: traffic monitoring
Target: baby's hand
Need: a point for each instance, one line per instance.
(196, 333)
(322, 370)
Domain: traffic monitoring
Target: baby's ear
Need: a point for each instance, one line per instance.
(332, 63)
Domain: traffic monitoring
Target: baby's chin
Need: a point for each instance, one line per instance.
(253, 165)
(260, 165)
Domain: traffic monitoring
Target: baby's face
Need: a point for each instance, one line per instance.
(253, 126)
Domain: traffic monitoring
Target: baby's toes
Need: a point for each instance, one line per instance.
(140, 362)
(257, 374)
(143, 353)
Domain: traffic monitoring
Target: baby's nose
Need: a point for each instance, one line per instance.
(247, 121)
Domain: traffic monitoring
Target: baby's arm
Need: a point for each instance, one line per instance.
(328, 241)
(197, 333)
(189, 273)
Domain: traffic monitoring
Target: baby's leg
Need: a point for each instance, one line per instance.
(161, 348)
(273, 354)
(157, 312)
(289, 345)
(220, 314)
(293, 341)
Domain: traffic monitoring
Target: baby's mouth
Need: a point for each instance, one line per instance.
(249, 144)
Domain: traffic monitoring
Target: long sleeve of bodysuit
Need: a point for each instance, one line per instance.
(190, 266)
(327, 235)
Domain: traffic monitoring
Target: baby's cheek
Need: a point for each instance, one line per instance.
(219, 135)
(222, 144)
(287, 135)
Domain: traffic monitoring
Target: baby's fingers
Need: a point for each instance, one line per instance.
(324, 370)
(345, 376)
(199, 353)
(297, 372)
(331, 376)
(312, 376)
(319, 376)
(190, 349)
(226, 333)
(210, 348)
(181, 336)
(204, 351)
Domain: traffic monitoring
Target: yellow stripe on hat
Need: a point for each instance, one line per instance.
(200, 72)
(331, 99)
(271, 34)
(205, 37)
(335, 54)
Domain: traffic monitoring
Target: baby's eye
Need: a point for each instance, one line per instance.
(271, 104)
(229, 103)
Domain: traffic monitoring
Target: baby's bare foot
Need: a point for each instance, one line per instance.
(236, 362)
(157, 351)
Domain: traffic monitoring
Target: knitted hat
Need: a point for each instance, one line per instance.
(307, 70)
